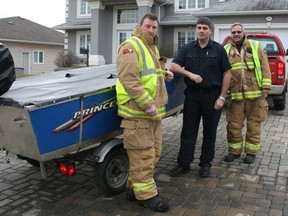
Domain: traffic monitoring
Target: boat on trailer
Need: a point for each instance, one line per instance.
(69, 116)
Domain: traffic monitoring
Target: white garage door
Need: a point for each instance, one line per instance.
(281, 33)
(222, 34)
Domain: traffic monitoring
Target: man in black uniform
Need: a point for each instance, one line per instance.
(206, 68)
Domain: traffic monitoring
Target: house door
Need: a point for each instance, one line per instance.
(121, 37)
(25, 62)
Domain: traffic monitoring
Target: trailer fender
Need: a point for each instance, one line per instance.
(105, 147)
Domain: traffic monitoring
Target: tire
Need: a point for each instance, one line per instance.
(111, 175)
(280, 104)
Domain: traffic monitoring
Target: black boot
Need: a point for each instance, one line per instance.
(156, 204)
(205, 172)
(178, 171)
(130, 196)
(249, 159)
(230, 157)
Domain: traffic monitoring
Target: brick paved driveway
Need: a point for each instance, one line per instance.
(233, 189)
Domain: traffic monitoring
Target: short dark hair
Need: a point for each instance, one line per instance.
(150, 16)
(204, 21)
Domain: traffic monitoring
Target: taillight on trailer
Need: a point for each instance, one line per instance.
(67, 168)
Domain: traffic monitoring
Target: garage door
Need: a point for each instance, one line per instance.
(281, 33)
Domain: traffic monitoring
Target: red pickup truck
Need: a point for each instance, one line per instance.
(278, 61)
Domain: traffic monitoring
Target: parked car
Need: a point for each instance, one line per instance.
(7, 70)
(277, 57)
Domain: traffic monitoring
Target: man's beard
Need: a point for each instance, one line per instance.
(238, 42)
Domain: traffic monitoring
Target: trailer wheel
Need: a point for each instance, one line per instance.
(111, 175)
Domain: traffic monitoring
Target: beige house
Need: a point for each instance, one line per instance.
(34, 47)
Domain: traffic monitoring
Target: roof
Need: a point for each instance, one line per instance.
(115, 2)
(22, 30)
(75, 24)
(179, 19)
(85, 23)
(241, 7)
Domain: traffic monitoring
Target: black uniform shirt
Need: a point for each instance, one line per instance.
(210, 63)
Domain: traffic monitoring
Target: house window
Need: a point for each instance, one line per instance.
(84, 42)
(182, 36)
(84, 8)
(38, 57)
(191, 4)
(127, 16)
(185, 37)
(122, 36)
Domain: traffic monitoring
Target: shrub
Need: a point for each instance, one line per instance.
(64, 59)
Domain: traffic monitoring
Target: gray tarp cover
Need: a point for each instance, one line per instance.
(53, 87)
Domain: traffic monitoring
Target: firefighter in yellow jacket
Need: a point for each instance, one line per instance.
(250, 84)
(141, 98)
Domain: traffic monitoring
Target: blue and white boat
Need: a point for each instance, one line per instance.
(49, 116)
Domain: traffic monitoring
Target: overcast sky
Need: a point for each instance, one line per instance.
(45, 12)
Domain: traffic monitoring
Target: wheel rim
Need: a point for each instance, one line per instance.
(117, 172)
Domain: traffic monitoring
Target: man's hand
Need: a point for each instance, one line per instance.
(196, 78)
(218, 104)
(265, 91)
(151, 111)
(169, 76)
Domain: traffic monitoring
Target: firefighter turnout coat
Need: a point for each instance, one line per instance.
(250, 74)
(140, 84)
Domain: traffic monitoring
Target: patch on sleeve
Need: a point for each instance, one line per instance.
(125, 51)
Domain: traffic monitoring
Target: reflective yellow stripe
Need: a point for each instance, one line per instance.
(144, 99)
(236, 95)
(147, 72)
(160, 72)
(246, 94)
(130, 113)
(129, 177)
(138, 187)
(227, 48)
(266, 82)
(253, 147)
(236, 145)
(240, 65)
(258, 72)
(252, 94)
(257, 68)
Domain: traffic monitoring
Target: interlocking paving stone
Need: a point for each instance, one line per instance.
(4, 186)
(235, 188)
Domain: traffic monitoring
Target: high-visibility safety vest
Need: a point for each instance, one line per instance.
(249, 65)
(148, 75)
